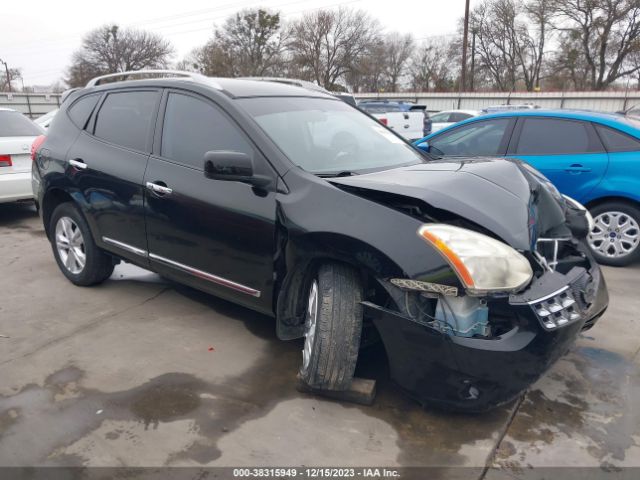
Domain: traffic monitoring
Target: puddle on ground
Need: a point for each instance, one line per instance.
(69, 412)
(589, 399)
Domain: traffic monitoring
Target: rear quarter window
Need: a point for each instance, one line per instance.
(81, 109)
(14, 124)
(616, 141)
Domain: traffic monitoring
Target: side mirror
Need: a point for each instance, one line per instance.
(233, 167)
(424, 146)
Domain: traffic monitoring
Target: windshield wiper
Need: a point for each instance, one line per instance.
(344, 173)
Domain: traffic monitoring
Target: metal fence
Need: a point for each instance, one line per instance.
(436, 102)
(37, 104)
(33, 105)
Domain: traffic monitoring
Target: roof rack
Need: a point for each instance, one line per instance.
(159, 73)
(290, 81)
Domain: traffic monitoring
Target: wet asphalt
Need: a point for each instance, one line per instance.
(141, 372)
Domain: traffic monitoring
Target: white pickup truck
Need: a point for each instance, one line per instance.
(407, 119)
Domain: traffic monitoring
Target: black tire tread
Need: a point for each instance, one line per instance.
(339, 326)
(99, 265)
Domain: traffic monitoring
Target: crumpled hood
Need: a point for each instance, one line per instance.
(505, 196)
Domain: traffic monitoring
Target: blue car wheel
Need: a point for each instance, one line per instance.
(615, 238)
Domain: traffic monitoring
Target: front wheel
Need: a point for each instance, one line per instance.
(77, 255)
(333, 326)
(615, 237)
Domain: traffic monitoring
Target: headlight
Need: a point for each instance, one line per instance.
(576, 204)
(482, 263)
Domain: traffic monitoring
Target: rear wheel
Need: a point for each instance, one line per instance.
(77, 255)
(332, 327)
(615, 238)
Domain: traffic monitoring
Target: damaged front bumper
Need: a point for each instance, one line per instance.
(477, 374)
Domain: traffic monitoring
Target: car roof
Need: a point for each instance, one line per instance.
(234, 87)
(5, 109)
(629, 125)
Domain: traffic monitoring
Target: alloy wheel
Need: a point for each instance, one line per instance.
(614, 235)
(70, 245)
(311, 322)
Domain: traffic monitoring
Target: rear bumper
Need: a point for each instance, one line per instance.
(476, 374)
(15, 186)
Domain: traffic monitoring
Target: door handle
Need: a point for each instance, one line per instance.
(577, 168)
(159, 189)
(78, 163)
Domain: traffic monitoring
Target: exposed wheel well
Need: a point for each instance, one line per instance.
(51, 200)
(600, 201)
(291, 297)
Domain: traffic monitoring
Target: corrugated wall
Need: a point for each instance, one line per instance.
(37, 104)
(435, 102)
(31, 104)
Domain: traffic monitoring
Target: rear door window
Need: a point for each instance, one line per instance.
(616, 141)
(553, 136)
(126, 118)
(14, 124)
(193, 127)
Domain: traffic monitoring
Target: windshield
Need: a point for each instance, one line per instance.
(325, 136)
(14, 124)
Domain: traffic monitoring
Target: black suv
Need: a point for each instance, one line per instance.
(473, 273)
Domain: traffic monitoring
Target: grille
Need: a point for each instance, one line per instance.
(557, 310)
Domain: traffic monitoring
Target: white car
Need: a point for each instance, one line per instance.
(17, 134)
(405, 119)
(45, 120)
(443, 119)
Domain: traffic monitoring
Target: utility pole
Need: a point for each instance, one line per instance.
(473, 58)
(6, 67)
(465, 44)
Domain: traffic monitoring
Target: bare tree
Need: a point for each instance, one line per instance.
(14, 75)
(539, 14)
(398, 51)
(368, 71)
(326, 44)
(606, 32)
(431, 65)
(110, 49)
(495, 49)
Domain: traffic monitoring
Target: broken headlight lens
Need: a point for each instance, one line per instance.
(482, 263)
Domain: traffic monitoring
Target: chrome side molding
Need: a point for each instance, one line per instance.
(185, 268)
(125, 246)
(207, 276)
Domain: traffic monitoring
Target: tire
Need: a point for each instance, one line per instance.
(606, 240)
(332, 340)
(67, 222)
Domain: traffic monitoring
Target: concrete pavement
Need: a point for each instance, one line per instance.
(138, 372)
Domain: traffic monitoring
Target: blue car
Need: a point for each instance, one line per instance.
(591, 157)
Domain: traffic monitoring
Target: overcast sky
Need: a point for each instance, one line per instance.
(39, 36)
